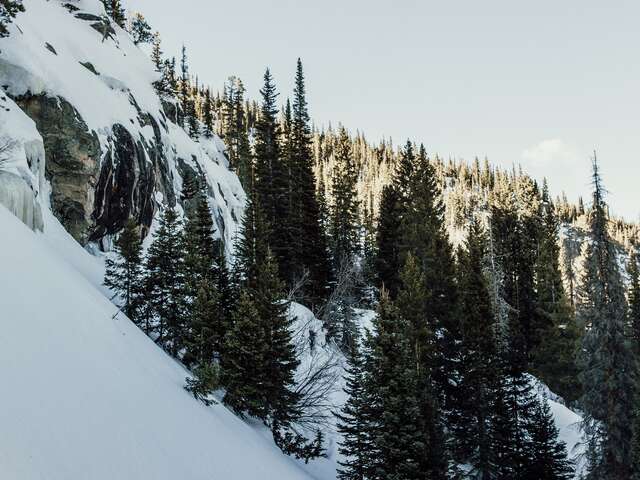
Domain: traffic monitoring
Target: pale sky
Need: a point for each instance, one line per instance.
(540, 83)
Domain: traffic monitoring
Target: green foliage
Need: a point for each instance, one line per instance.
(205, 381)
(164, 283)
(608, 366)
(344, 224)
(140, 29)
(124, 274)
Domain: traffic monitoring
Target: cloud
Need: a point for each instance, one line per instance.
(551, 153)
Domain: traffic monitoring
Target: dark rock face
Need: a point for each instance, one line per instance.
(125, 186)
(95, 192)
(73, 158)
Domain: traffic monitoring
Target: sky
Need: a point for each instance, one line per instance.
(541, 84)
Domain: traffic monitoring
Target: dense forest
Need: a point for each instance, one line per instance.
(480, 279)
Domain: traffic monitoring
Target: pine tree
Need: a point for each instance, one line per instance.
(423, 235)
(156, 52)
(634, 299)
(607, 361)
(268, 392)
(355, 423)
(549, 459)
(553, 358)
(310, 245)
(387, 263)
(8, 10)
(345, 208)
(271, 178)
(184, 90)
(399, 444)
(124, 275)
(207, 118)
(164, 283)
(479, 363)
(244, 360)
(141, 30)
(116, 12)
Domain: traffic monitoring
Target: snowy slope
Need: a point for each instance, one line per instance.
(88, 396)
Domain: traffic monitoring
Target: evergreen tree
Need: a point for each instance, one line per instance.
(634, 299)
(400, 444)
(244, 360)
(549, 459)
(424, 237)
(345, 209)
(515, 223)
(124, 275)
(266, 392)
(207, 118)
(310, 245)
(553, 359)
(141, 30)
(387, 263)
(355, 422)
(8, 10)
(164, 283)
(204, 339)
(116, 12)
(607, 361)
(479, 363)
(271, 178)
(156, 52)
(184, 90)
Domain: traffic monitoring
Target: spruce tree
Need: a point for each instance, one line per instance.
(400, 445)
(553, 358)
(184, 90)
(549, 459)
(156, 52)
(345, 208)
(272, 179)
(8, 10)
(116, 11)
(634, 299)
(355, 423)
(207, 118)
(310, 246)
(244, 360)
(140, 29)
(387, 262)
(164, 283)
(479, 370)
(607, 361)
(124, 274)
(423, 235)
(268, 392)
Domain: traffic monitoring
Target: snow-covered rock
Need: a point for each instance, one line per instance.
(111, 150)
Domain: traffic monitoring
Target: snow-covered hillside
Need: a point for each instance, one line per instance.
(112, 150)
(86, 395)
(85, 143)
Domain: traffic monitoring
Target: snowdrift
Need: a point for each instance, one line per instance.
(86, 395)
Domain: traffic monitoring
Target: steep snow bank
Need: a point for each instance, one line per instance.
(86, 395)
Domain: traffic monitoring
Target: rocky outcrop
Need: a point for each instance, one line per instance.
(73, 159)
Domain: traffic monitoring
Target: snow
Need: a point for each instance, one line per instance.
(21, 164)
(123, 85)
(88, 395)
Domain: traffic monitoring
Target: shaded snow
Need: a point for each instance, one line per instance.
(87, 395)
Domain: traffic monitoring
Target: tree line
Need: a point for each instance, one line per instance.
(441, 386)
